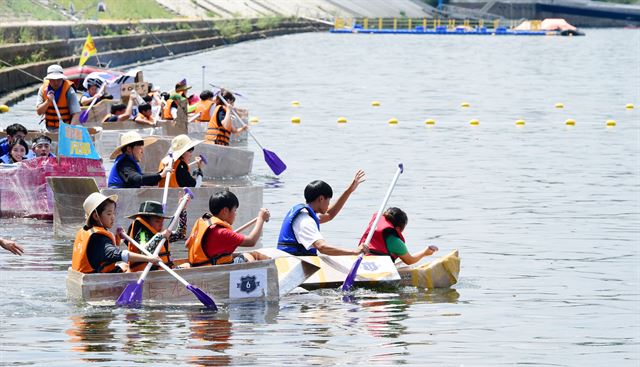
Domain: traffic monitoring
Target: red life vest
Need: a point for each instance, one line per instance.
(50, 116)
(378, 245)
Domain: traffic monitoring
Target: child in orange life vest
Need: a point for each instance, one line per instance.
(212, 241)
(94, 249)
(146, 229)
(221, 124)
(388, 240)
(205, 107)
(182, 149)
(145, 116)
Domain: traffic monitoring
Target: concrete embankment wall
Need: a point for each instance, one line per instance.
(126, 49)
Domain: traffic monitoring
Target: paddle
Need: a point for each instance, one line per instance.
(351, 277)
(272, 159)
(200, 294)
(55, 105)
(166, 183)
(131, 296)
(84, 116)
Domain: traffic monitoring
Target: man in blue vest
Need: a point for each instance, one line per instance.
(300, 232)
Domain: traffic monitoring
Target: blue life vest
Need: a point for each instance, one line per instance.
(4, 146)
(5, 159)
(115, 180)
(287, 239)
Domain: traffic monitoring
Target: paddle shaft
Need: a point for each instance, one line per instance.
(162, 264)
(167, 177)
(172, 224)
(55, 105)
(384, 204)
(246, 225)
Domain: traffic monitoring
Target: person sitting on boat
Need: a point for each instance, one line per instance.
(57, 88)
(182, 150)
(17, 152)
(170, 111)
(40, 147)
(14, 132)
(300, 232)
(388, 240)
(95, 249)
(147, 230)
(213, 241)
(205, 107)
(126, 172)
(221, 124)
(11, 246)
(119, 112)
(145, 115)
(92, 92)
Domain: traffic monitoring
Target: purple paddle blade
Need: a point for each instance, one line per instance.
(84, 116)
(274, 162)
(204, 159)
(351, 277)
(203, 297)
(131, 295)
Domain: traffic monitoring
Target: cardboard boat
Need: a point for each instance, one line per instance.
(70, 192)
(377, 271)
(439, 273)
(226, 284)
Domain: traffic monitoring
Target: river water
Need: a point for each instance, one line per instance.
(546, 217)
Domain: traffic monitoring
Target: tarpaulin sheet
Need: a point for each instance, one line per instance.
(23, 186)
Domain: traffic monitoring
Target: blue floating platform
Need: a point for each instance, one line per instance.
(442, 30)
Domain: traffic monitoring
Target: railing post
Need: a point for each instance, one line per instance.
(395, 24)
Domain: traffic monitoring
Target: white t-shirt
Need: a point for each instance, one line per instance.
(306, 230)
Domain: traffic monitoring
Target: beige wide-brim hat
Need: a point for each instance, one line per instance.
(55, 72)
(93, 201)
(180, 144)
(130, 137)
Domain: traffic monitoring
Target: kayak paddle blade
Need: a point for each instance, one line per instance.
(275, 163)
(131, 295)
(351, 277)
(84, 116)
(203, 297)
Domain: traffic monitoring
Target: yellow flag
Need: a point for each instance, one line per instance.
(88, 49)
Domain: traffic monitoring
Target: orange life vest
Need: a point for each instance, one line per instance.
(165, 253)
(166, 112)
(79, 259)
(216, 133)
(50, 116)
(173, 182)
(197, 256)
(203, 108)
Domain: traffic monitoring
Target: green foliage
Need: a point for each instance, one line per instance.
(403, 14)
(25, 35)
(116, 9)
(245, 26)
(227, 28)
(21, 9)
(269, 22)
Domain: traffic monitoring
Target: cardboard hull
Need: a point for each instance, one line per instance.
(440, 273)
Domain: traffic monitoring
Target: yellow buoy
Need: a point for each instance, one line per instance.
(520, 122)
(559, 105)
(629, 106)
(342, 120)
(465, 105)
(474, 122)
(295, 120)
(570, 122)
(375, 103)
(611, 123)
(4, 108)
(295, 104)
(254, 120)
(393, 121)
(430, 122)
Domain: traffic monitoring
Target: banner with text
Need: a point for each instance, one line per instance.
(75, 141)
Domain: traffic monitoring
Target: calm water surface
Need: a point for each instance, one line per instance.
(546, 218)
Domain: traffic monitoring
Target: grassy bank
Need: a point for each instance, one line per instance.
(83, 10)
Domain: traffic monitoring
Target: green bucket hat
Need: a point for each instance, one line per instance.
(150, 208)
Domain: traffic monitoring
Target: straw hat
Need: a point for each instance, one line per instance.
(150, 208)
(180, 144)
(93, 201)
(130, 137)
(55, 72)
